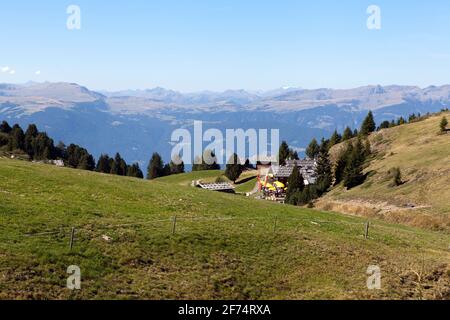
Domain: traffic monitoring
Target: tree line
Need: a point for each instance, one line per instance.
(347, 170)
(38, 146)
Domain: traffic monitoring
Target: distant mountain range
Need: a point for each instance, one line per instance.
(139, 122)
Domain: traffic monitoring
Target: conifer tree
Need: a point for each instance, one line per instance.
(78, 157)
(341, 163)
(103, 164)
(233, 168)
(198, 164)
(283, 153)
(176, 165)
(86, 162)
(61, 151)
(335, 138)
(155, 167)
(293, 155)
(384, 125)
(313, 149)
(207, 162)
(353, 173)
(367, 149)
(368, 126)
(324, 174)
(42, 147)
(295, 185)
(135, 171)
(5, 128)
(30, 136)
(348, 134)
(17, 138)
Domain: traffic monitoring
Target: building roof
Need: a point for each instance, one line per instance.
(306, 167)
(216, 186)
(263, 159)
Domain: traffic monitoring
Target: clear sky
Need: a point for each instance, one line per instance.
(225, 44)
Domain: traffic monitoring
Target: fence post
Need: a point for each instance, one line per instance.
(366, 233)
(174, 225)
(72, 234)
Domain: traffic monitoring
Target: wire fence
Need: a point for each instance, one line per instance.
(177, 224)
(77, 236)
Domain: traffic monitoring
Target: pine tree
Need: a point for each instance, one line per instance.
(335, 139)
(61, 151)
(368, 126)
(17, 138)
(324, 175)
(283, 153)
(5, 128)
(42, 147)
(4, 139)
(176, 165)
(123, 167)
(412, 118)
(78, 157)
(384, 125)
(348, 134)
(198, 164)
(443, 125)
(207, 162)
(155, 167)
(103, 164)
(353, 173)
(367, 149)
(341, 163)
(120, 166)
(135, 171)
(295, 184)
(233, 168)
(111, 166)
(293, 155)
(166, 170)
(313, 149)
(30, 136)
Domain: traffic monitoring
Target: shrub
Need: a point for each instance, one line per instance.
(396, 176)
(443, 125)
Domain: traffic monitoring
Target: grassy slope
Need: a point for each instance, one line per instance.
(245, 183)
(424, 159)
(309, 254)
(185, 179)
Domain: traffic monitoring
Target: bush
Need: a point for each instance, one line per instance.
(306, 196)
(396, 176)
(220, 179)
(443, 125)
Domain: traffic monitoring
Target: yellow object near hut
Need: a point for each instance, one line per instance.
(279, 184)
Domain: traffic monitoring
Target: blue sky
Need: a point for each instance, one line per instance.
(233, 44)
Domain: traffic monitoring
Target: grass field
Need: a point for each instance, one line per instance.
(245, 183)
(423, 156)
(225, 246)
